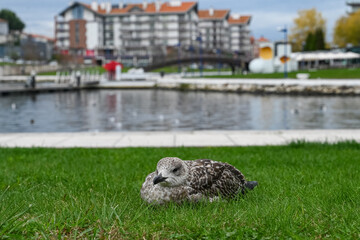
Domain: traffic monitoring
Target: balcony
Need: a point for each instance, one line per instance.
(184, 29)
(62, 38)
(135, 28)
(62, 27)
(60, 30)
(130, 37)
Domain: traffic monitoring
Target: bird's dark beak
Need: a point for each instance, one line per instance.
(159, 178)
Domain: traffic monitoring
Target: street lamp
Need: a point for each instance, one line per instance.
(192, 50)
(179, 67)
(199, 39)
(285, 30)
(218, 52)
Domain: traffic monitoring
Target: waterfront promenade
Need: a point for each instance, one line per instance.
(175, 81)
(200, 138)
(174, 139)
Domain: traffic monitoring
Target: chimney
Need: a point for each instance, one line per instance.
(108, 7)
(103, 5)
(145, 4)
(121, 4)
(211, 11)
(236, 16)
(175, 3)
(94, 5)
(157, 5)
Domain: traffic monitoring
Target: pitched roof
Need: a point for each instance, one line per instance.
(184, 7)
(126, 9)
(3, 20)
(218, 14)
(40, 37)
(164, 8)
(262, 39)
(239, 20)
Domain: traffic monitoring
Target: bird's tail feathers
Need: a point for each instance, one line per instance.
(251, 184)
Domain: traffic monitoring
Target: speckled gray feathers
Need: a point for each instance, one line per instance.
(204, 179)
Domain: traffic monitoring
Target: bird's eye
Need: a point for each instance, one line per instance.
(175, 170)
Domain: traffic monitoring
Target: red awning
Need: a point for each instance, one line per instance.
(111, 66)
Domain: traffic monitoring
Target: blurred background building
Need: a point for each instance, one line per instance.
(214, 28)
(354, 5)
(141, 32)
(4, 31)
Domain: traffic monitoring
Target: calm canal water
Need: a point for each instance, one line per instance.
(156, 110)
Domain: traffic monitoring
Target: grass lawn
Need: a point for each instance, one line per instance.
(306, 191)
(175, 69)
(325, 73)
(7, 64)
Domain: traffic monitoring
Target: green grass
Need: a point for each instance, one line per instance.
(348, 73)
(175, 69)
(325, 73)
(7, 64)
(306, 191)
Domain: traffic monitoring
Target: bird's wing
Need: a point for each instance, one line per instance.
(204, 173)
(147, 186)
(212, 178)
(238, 176)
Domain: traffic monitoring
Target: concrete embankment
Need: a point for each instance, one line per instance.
(256, 86)
(175, 139)
(266, 86)
(24, 78)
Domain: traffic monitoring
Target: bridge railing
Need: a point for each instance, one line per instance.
(233, 62)
(196, 57)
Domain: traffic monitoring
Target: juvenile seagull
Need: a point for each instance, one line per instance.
(177, 181)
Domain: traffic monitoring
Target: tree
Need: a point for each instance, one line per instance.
(347, 30)
(30, 50)
(14, 55)
(307, 22)
(309, 42)
(315, 41)
(15, 24)
(340, 34)
(319, 41)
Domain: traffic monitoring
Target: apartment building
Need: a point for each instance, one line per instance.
(145, 29)
(36, 47)
(239, 32)
(132, 29)
(214, 28)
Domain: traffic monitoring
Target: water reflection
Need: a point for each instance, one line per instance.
(155, 110)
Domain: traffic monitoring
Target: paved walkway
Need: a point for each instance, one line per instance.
(174, 139)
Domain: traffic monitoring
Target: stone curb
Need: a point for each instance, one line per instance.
(174, 139)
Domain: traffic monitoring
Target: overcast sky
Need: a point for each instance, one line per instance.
(38, 15)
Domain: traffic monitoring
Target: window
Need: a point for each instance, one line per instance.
(78, 12)
(77, 37)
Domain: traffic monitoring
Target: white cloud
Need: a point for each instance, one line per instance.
(40, 27)
(265, 23)
(262, 20)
